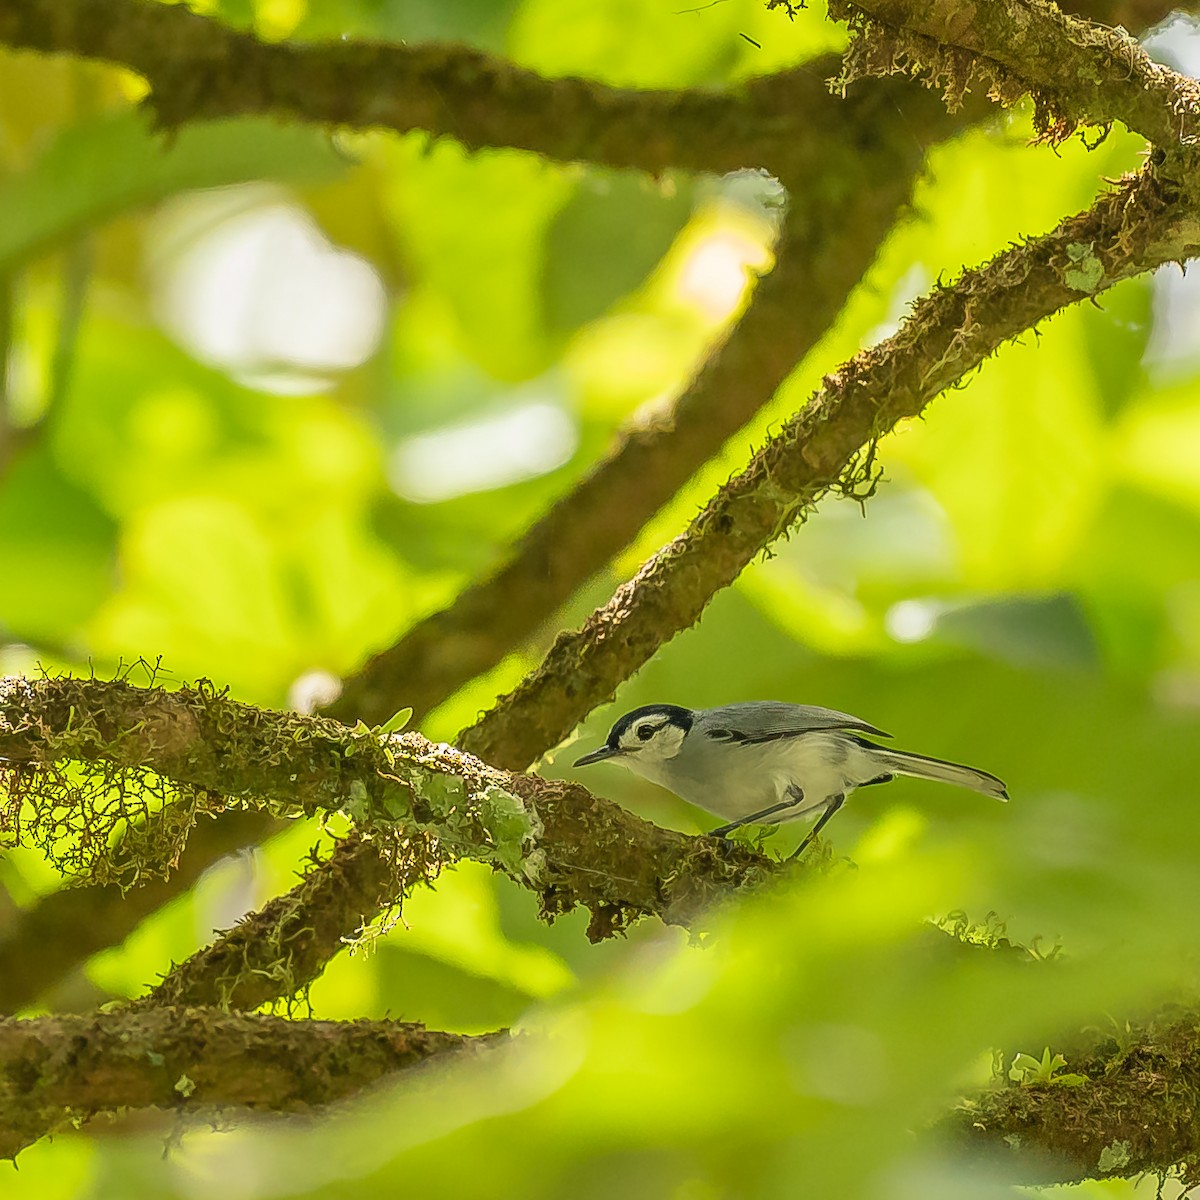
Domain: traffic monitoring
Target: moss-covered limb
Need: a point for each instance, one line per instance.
(587, 852)
(97, 761)
(429, 803)
(58, 933)
(280, 949)
(829, 446)
(824, 249)
(1077, 71)
(108, 777)
(58, 1070)
(1137, 1111)
(200, 68)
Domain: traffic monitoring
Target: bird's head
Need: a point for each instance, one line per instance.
(644, 737)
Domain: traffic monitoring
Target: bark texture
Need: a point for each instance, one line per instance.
(59, 1070)
(1137, 1112)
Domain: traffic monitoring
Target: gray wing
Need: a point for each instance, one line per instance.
(772, 720)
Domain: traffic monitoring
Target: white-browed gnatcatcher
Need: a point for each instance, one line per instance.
(765, 762)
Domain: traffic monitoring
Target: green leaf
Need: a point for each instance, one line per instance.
(1023, 630)
(397, 721)
(605, 241)
(1115, 332)
(96, 170)
(58, 548)
(1027, 1070)
(358, 803)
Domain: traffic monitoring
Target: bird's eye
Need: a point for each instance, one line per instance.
(645, 732)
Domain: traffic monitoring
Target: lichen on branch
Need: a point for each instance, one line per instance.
(419, 805)
(1076, 71)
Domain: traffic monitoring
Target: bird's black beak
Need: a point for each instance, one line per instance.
(597, 756)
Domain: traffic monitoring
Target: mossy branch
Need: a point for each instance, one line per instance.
(419, 804)
(60, 1070)
(1077, 71)
(199, 68)
(1135, 1112)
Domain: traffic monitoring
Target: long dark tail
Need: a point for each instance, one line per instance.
(902, 762)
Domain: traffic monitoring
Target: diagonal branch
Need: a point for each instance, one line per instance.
(829, 446)
(823, 252)
(58, 1070)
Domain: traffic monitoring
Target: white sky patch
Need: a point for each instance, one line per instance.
(1175, 341)
(312, 690)
(1174, 345)
(495, 451)
(1176, 43)
(246, 281)
(912, 620)
(913, 284)
(718, 270)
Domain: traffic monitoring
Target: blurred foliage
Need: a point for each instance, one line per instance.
(1023, 593)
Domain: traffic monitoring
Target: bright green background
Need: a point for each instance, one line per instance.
(1036, 544)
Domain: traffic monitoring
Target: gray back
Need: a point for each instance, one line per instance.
(771, 720)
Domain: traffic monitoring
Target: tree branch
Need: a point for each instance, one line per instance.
(280, 949)
(421, 805)
(1076, 70)
(58, 1070)
(60, 931)
(1135, 1114)
(199, 68)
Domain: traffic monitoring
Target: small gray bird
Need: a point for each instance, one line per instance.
(765, 762)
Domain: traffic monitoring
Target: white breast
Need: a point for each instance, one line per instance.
(733, 780)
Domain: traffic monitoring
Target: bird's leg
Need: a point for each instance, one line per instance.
(835, 802)
(795, 796)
